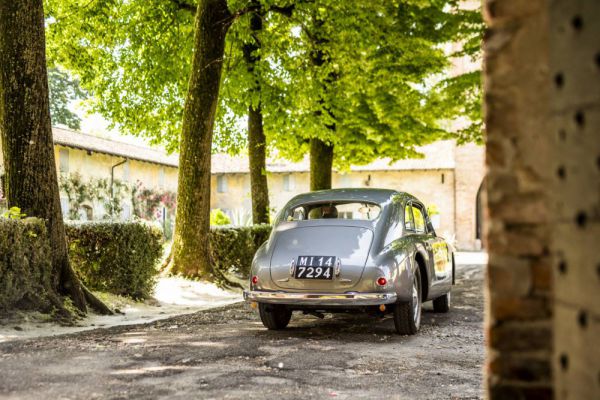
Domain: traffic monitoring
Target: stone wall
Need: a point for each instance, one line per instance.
(575, 136)
(542, 97)
(519, 172)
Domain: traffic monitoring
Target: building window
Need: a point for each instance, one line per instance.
(126, 213)
(64, 205)
(345, 181)
(63, 159)
(87, 213)
(288, 182)
(161, 177)
(126, 172)
(221, 184)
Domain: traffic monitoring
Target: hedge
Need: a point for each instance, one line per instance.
(234, 248)
(25, 268)
(116, 257)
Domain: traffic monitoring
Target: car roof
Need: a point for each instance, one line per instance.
(372, 195)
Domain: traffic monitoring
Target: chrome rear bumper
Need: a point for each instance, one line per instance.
(320, 299)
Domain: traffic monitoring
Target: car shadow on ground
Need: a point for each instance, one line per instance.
(350, 326)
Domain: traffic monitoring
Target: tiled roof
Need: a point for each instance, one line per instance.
(83, 141)
(438, 155)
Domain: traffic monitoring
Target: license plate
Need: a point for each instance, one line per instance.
(315, 267)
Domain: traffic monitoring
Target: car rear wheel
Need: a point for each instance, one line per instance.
(407, 315)
(274, 316)
(442, 303)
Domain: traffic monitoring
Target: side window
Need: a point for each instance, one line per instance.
(419, 219)
(409, 223)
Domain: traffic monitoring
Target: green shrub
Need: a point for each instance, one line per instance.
(25, 268)
(218, 217)
(116, 257)
(234, 248)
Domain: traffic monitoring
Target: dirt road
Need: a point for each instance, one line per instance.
(225, 353)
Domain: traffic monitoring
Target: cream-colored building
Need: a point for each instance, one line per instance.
(94, 158)
(447, 178)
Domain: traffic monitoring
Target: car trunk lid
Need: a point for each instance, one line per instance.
(348, 244)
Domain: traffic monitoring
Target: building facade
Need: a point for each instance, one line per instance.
(447, 179)
(93, 171)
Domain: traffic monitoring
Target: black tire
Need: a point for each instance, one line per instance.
(442, 304)
(274, 316)
(407, 315)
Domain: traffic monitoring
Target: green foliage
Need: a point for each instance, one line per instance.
(63, 90)
(233, 248)
(147, 202)
(134, 58)
(371, 96)
(119, 258)
(381, 84)
(432, 210)
(147, 205)
(79, 192)
(218, 217)
(13, 213)
(25, 268)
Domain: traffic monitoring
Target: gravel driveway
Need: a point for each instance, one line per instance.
(225, 353)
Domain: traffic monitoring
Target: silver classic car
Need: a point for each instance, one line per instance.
(349, 250)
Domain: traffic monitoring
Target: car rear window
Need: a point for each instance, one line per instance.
(334, 210)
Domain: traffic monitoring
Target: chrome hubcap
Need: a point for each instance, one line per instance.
(416, 301)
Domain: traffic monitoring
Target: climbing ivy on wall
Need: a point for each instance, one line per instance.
(147, 202)
(92, 190)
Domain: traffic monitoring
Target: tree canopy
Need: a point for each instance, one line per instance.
(386, 97)
(134, 57)
(358, 77)
(63, 90)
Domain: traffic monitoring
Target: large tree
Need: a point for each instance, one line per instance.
(257, 143)
(134, 56)
(365, 81)
(191, 248)
(25, 128)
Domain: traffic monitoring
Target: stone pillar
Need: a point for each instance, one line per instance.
(575, 137)
(542, 85)
(519, 160)
(469, 173)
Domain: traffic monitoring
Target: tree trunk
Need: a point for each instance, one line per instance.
(258, 166)
(191, 247)
(26, 131)
(321, 153)
(321, 164)
(256, 135)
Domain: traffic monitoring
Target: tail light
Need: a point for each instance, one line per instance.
(254, 280)
(382, 281)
